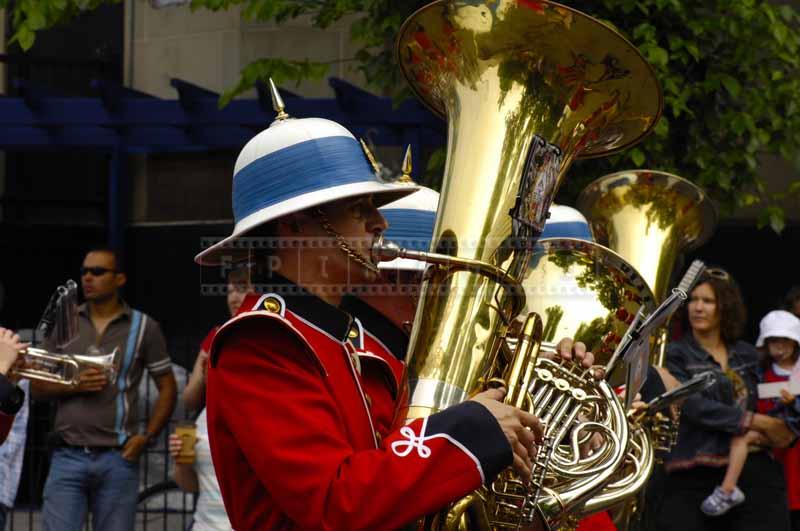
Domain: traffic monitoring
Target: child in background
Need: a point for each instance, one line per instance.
(780, 341)
(780, 337)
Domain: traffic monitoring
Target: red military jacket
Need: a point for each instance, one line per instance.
(380, 346)
(292, 434)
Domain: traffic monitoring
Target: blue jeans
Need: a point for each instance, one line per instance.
(102, 482)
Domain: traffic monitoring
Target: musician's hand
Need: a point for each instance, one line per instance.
(522, 430)
(91, 381)
(594, 443)
(10, 345)
(786, 397)
(134, 447)
(568, 350)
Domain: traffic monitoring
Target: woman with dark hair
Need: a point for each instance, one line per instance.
(716, 317)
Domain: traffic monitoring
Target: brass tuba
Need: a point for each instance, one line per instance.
(650, 218)
(526, 87)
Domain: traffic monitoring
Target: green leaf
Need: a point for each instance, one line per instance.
(36, 20)
(780, 32)
(637, 156)
(656, 55)
(748, 199)
(773, 216)
(731, 85)
(25, 37)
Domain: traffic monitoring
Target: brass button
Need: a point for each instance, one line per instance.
(353, 333)
(378, 437)
(272, 305)
(369, 400)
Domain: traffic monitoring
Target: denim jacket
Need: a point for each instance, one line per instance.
(709, 419)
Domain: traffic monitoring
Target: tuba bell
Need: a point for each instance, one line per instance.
(526, 88)
(584, 291)
(650, 218)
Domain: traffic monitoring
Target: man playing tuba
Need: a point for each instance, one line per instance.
(290, 425)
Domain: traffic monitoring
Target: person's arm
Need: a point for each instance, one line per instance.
(11, 400)
(195, 391)
(11, 396)
(185, 474)
(10, 345)
(299, 450)
(703, 411)
(162, 410)
(91, 380)
(159, 366)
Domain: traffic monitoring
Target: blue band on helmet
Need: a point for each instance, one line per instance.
(411, 229)
(296, 170)
(567, 229)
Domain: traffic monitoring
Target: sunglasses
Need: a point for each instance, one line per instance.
(96, 271)
(718, 273)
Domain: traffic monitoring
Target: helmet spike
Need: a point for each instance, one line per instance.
(406, 168)
(277, 101)
(370, 157)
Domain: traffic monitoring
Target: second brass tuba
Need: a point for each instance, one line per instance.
(526, 88)
(650, 218)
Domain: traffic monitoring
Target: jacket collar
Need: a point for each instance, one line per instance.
(376, 324)
(309, 307)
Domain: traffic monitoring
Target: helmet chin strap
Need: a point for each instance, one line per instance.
(345, 247)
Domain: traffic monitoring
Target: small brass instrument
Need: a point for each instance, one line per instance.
(59, 325)
(526, 87)
(39, 364)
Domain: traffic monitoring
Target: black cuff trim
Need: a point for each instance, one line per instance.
(473, 427)
(11, 396)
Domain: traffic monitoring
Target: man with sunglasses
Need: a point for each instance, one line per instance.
(97, 442)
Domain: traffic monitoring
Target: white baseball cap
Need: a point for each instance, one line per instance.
(779, 323)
